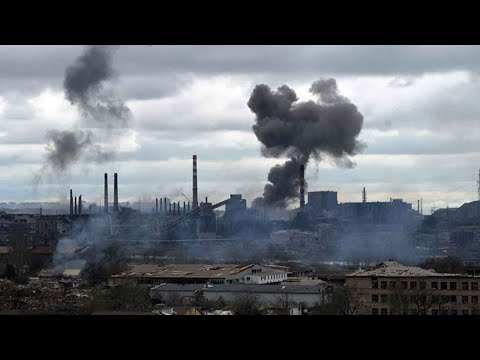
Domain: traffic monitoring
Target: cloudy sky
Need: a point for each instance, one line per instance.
(421, 109)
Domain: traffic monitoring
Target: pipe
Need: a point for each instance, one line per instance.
(71, 202)
(105, 195)
(195, 188)
(115, 192)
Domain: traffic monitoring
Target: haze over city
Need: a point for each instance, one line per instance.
(419, 108)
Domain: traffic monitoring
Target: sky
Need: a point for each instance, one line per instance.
(420, 106)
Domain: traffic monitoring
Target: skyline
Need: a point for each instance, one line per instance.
(418, 104)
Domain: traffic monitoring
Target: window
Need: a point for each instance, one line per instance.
(443, 286)
(434, 311)
(423, 284)
(464, 285)
(375, 284)
(413, 285)
(474, 299)
(413, 299)
(434, 285)
(474, 285)
(374, 311)
(465, 312)
(464, 299)
(374, 298)
(393, 284)
(384, 312)
(383, 285)
(453, 286)
(445, 299)
(383, 298)
(444, 312)
(248, 278)
(404, 285)
(453, 299)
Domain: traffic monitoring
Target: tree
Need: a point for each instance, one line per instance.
(246, 304)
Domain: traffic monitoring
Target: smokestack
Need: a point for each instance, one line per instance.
(71, 202)
(115, 192)
(195, 189)
(418, 206)
(364, 196)
(189, 206)
(80, 205)
(178, 208)
(105, 195)
(169, 208)
(184, 208)
(165, 205)
(75, 205)
(156, 205)
(302, 186)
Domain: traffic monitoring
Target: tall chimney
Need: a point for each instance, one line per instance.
(80, 205)
(184, 208)
(115, 192)
(105, 200)
(75, 205)
(302, 186)
(195, 189)
(156, 205)
(169, 208)
(71, 202)
(165, 205)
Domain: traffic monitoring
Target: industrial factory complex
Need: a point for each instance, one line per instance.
(209, 257)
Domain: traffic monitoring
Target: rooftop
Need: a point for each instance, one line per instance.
(183, 271)
(395, 269)
(275, 289)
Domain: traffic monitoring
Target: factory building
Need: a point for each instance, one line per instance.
(200, 274)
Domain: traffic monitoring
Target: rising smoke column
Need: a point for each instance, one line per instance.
(302, 130)
(87, 85)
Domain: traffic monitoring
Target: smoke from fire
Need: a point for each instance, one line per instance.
(301, 131)
(88, 84)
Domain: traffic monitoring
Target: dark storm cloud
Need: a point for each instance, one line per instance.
(302, 130)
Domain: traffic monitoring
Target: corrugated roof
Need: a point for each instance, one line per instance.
(395, 269)
(181, 271)
(270, 289)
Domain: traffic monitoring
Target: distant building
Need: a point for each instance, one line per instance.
(391, 288)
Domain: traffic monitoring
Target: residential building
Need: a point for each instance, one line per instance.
(391, 288)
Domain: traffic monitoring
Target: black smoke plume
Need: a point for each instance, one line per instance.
(88, 85)
(85, 87)
(65, 148)
(302, 130)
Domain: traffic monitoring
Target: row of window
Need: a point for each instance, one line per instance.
(376, 311)
(444, 285)
(435, 299)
